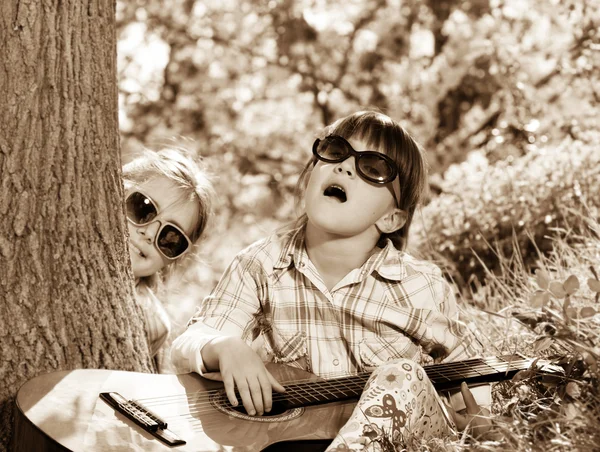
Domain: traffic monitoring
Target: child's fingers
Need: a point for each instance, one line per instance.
(449, 410)
(246, 398)
(256, 393)
(460, 421)
(274, 383)
(470, 403)
(216, 376)
(267, 392)
(230, 390)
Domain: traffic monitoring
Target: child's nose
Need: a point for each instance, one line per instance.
(148, 232)
(346, 167)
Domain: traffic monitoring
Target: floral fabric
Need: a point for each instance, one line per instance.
(398, 403)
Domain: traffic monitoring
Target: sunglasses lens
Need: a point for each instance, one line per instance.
(375, 168)
(171, 241)
(372, 166)
(332, 149)
(140, 208)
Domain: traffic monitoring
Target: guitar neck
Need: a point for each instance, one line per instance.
(446, 376)
(477, 371)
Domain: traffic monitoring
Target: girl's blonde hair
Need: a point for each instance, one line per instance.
(383, 134)
(187, 172)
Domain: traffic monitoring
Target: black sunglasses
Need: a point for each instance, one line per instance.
(170, 240)
(370, 165)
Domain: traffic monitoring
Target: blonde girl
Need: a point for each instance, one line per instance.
(168, 198)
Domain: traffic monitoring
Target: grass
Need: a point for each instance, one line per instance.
(486, 209)
(521, 241)
(551, 313)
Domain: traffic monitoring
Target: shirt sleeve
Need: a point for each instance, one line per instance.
(442, 335)
(433, 320)
(230, 310)
(461, 342)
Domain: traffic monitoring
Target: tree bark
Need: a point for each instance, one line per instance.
(66, 292)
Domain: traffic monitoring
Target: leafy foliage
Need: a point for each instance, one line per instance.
(248, 85)
(224, 73)
(514, 206)
(563, 325)
(502, 93)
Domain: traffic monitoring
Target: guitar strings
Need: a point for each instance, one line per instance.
(193, 422)
(202, 398)
(200, 407)
(431, 370)
(333, 383)
(200, 401)
(214, 391)
(353, 387)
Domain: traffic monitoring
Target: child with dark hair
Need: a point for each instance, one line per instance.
(337, 294)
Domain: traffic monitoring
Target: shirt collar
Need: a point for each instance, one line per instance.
(388, 261)
(291, 250)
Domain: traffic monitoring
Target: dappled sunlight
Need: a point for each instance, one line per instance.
(503, 96)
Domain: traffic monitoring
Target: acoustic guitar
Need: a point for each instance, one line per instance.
(104, 410)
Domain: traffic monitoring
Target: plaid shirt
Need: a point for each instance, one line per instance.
(272, 296)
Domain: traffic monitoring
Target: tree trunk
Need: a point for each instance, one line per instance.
(66, 293)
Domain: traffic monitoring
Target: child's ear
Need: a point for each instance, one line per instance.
(392, 221)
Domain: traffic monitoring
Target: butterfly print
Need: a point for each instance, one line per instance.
(388, 409)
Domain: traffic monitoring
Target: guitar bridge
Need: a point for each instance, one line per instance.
(143, 417)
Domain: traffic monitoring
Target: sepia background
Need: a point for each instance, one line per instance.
(503, 95)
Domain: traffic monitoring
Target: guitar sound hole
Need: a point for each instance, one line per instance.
(280, 412)
(276, 410)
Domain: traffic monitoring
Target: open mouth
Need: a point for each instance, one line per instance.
(337, 192)
(137, 250)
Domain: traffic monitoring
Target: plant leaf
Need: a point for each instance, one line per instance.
(587, 312)
(571, 313)
(590, 360)
(594, 284)
(571, 285)
(542, 278)
(570, 411)
(542, 344)
(556, 288)
(573, 389)
(539, 298)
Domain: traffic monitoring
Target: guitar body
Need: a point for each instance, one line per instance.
(61, 411)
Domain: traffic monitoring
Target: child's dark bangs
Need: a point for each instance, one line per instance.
(369, 129)
(382, 138)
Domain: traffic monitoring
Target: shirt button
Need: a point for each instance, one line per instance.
(301, 265)
(336, 362)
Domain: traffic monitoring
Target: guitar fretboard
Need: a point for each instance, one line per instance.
(449, 376)
(446, 376)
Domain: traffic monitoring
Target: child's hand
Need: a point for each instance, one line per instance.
(241, 367)
(476, 418)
